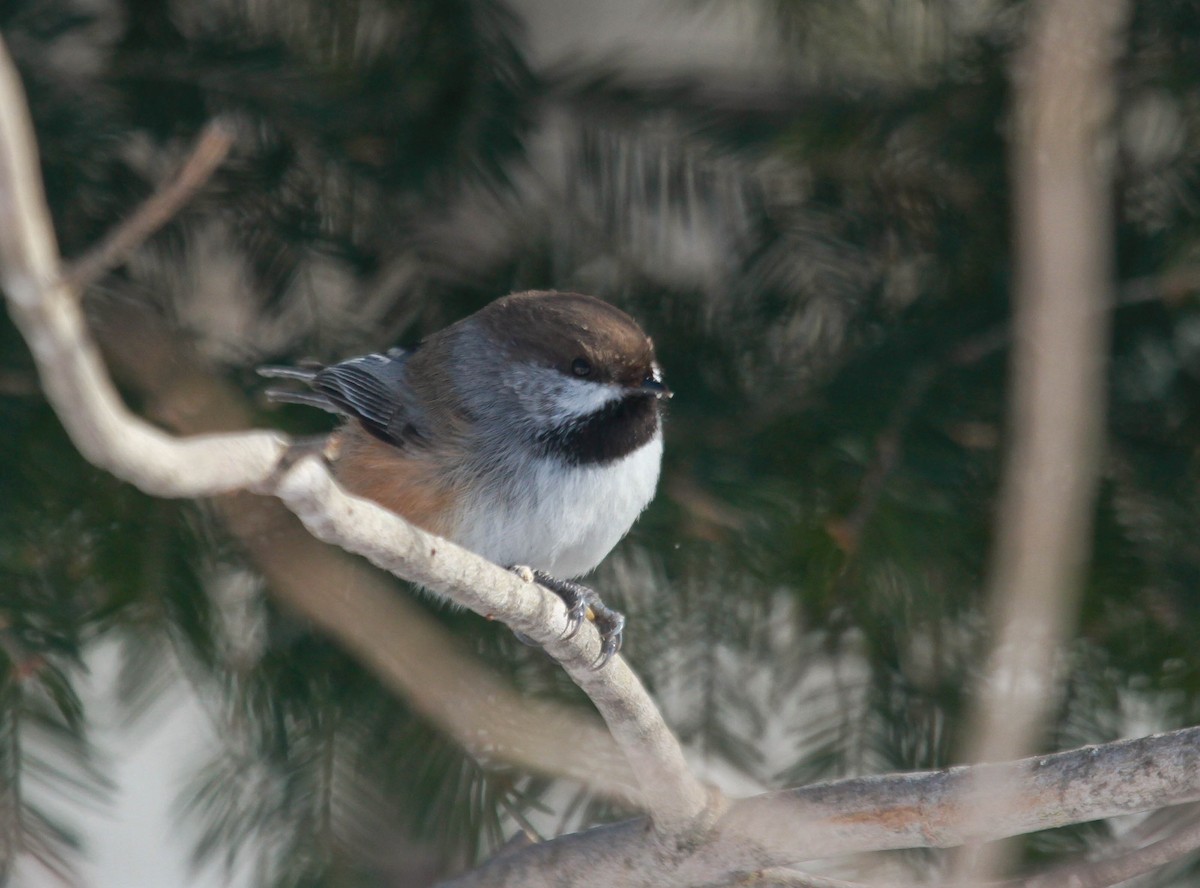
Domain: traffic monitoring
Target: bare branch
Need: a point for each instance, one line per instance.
(1103, 872)
(696, 839)
(210, 150)
(44, 308)
(796, 879)
(408, 650)
(917, 810)
(676, 800)
(1064, 281)
(111, 437)
(423, 662)
(1122, 867)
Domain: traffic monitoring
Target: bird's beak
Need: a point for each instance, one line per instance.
(653, 386)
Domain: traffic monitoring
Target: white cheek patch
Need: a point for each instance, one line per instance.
(578, 397)
(556, 399)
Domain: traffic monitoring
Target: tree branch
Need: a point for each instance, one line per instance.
(676, 801)
(1118, 868)
(917, 810)
(410, 652)
(45, 309)
(696, 839)
(1063, 220)
(1103, 872)
(209, 151)
(791, 878)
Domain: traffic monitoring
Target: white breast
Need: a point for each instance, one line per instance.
(560, 518)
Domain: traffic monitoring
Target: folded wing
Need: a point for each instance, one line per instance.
(372, 389)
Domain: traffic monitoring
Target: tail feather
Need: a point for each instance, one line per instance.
(370, 388)
(304, 374)
(309, 399)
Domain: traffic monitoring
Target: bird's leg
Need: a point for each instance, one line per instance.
(306, 445)
(582, 602)
(298, 448)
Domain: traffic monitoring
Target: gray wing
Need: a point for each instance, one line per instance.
(372, 388)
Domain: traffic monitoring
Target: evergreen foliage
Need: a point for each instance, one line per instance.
(825, 265)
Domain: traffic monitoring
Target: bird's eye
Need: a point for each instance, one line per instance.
(581, 367)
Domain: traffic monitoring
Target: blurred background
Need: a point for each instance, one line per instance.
(805, 202)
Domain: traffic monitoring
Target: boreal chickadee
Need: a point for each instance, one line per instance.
(529, 433)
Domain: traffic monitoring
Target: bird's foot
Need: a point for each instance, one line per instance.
(583, 602)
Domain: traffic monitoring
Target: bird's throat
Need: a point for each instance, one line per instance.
(614, 431)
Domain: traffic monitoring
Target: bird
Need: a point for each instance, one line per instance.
(529, 432)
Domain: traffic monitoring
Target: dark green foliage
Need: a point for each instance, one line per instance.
(825, 265)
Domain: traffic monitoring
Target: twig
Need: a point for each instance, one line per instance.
(847, 532)
(43, 306)
(156, 211)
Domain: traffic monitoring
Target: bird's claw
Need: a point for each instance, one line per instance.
(610, 639)
(583, 603)
(577, 615)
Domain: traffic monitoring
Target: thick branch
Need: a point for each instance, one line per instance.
(1111, 867)
(1121, 868)
(1064, 100)
(918, 810)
